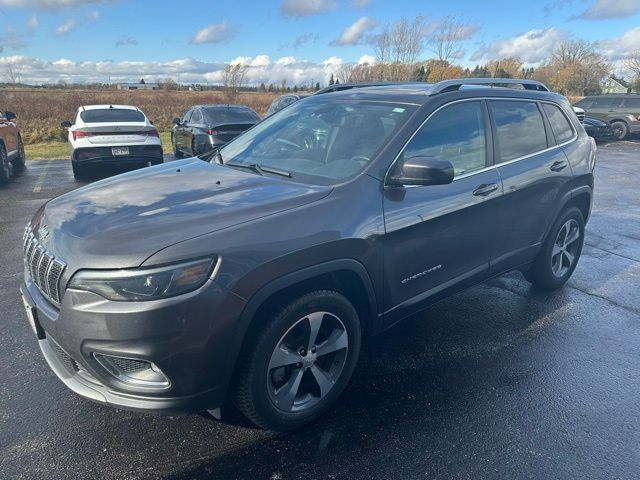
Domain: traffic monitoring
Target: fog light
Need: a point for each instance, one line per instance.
(139, 373)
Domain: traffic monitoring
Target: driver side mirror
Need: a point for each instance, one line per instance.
(10, 115)
(176, 121)
(66, 124)
(421, 171)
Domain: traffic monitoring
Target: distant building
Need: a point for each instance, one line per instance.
(615, 85)
(138, 86)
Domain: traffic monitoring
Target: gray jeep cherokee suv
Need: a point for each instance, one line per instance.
(252, 278)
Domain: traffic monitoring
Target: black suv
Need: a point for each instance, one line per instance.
(253, 278)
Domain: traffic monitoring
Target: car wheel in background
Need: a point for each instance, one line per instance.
(20, 161)
(560, 252)
(299, 363)
(78, 171)
(620, 129)
(6, 169)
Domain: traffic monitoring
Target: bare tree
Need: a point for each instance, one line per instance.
(446, 37)
(396, 48)
(580, 67)
(632, 64)
(233, 79)
(12, 70)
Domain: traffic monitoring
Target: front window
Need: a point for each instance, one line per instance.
(111, 115)
(319, 141)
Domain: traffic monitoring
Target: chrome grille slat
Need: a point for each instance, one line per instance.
(44, 269)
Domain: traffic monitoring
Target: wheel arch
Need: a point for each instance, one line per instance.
(346, 276)
(579, 197)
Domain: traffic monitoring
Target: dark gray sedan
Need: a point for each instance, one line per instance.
(205, 127)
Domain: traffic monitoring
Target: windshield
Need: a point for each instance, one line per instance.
(319, 141)
(230, 115)
(100, 115)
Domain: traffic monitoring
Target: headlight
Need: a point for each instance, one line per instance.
(145, 283)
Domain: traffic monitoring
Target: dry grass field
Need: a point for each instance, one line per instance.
(40, 111)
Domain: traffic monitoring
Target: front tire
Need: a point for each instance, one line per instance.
(300, 362)
(560, 253)
(620, 129)
(177, 154)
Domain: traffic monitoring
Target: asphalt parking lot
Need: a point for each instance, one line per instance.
(495, 382)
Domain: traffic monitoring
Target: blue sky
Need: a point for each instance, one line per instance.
(302, 40)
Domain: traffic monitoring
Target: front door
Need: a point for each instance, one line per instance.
(439, 237)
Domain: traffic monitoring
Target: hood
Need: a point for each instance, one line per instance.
(121, 221)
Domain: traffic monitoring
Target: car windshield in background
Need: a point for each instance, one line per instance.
(111, 115)
(319, 141)
(230, 115)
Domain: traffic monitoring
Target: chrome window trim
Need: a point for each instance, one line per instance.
(495, 165)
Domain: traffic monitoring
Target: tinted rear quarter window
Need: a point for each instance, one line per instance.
(520, 129)
(196, 117)
(455, 133)
(559, 124)
(111, 115)
(230, 115)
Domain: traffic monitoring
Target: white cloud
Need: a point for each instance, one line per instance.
(216, 33)
(352, 35)
(65, 27)
(95, 15)
(366, 59)
(304, 38)
(50, 4)
(302, 8)
(530, 47)
(606, 9)
(33, 23)
(619, 48)
(466, 31)
(126, 40)
(12, 39)
(187, 70)
(360, 3)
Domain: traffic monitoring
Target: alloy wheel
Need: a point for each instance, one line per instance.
(307, 362)
(565, 248)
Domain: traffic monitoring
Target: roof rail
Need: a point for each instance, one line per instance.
(452, 85)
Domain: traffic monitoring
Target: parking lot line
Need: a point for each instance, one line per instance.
(42, 177)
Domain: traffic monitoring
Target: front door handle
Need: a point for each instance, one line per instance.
(485, 189)
(558, 166)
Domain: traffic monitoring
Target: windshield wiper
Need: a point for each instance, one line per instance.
(259, 169)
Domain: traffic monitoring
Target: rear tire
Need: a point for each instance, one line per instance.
(299, 363)
(560, 252)
(6, 169)
(78, 171)
(620, 129)
(20, 161)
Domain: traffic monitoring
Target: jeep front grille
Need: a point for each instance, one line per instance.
(44, 269)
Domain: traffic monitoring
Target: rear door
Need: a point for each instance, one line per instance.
(533, 171)
(193, 129)
(440, 236)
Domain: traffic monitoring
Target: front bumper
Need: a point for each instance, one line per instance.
(181, 335)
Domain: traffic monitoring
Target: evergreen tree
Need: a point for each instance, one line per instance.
(331, 80)
(317, 86)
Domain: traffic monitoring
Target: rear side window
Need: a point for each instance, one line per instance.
(111, 115)
(520, 128)
(559, 123)
(585, 103)
(455, 133)
(606, 102)
(187, 116)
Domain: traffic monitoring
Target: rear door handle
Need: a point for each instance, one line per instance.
(558, 166)
(485, 189)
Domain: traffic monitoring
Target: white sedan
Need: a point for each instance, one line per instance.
(119, 135)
